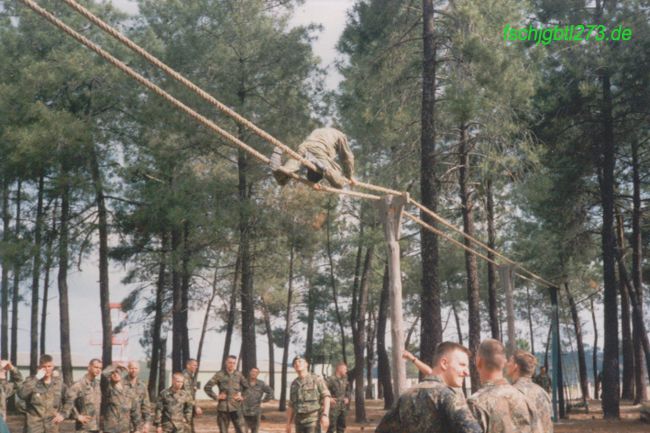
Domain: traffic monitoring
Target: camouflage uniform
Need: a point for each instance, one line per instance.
(339, 388)
(121, 406)
(430, 407)
(544, 381)
(500, 408)
(254, 395)
(229, 409)
(539, 400)
(306, 399)
(8, 388)
(190, 386)
(43, 401)
(174, 410)
(84, 398)
(141, 395)
(321, 147)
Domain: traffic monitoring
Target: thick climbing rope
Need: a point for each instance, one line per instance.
(245, 122)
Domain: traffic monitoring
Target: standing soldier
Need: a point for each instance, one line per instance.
(436, 405)
(231, 383)
(84, 399)
(256, 393)
(339, 388)
(174, 408)
(498, 406)
(8, 388)
(309, 400)
(43, 397)
(121, 408)
(321, 148)
(190, 385)
(141, 395)
(520, 369)
(543, 380)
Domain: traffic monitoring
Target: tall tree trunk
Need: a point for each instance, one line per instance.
(186, 280)
(530, 321)
(383, 365)
(206, 317)
(15, 294)
(311, 315)
(162, 369)
(360, 343)
(157, 343)
(177, 300)
(492, 240)
(232, 311)
(459, 330)
(611, 382)
(287, 335)
(582, 362)
(249, 352)
(594, 355)
(62, 278)
(49, 256)
(637, 279)
(370, 358)
(36, 274)
(627, 392)
(335, 295)
(269, 335)
(4, 285)
(471, 267)
(104, 289)
(430, 309)
(548, 344)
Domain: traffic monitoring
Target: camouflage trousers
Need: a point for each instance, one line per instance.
(252, 423)
(337, 421)
(329, 169)
(225, 418)
(308, 428)
(36, 424)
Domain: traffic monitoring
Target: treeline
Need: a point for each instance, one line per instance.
(539, 151)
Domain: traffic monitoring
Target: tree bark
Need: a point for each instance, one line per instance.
(4, 285)
(370, 358)
(49, 254)
(15, 294)
(62, 278)
(311, 314)
(582, 363)
(232, 311)
(186, 280)
(548, 343)
(104, 288)
(177, 300)
(287, 335)
(156, 344)
(383, 365)
(36, 274)
(459, 331)
(330, 258)
(206, 317)
(594, 355)
(269, 335)
(611, 383)
(492, 291)
(162, 362)
(360, 343)
(530, 321)
(627, 392)
(471, 267)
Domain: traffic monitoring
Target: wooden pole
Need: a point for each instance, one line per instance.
(505, 274)
(390, 211)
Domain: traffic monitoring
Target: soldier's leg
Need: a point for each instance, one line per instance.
(336, 179)
(238, 421)
(307, 428)
(223, 420)
(333, 417)
(340, 423)
(251, 423)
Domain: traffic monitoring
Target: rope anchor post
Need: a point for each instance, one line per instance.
(390, 212)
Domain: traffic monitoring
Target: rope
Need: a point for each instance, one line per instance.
(258, 131)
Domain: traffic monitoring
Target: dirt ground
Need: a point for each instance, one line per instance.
(579, 421)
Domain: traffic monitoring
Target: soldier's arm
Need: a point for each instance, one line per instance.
(15, 382)
(347, 157)
(27, 389)
(268, 393)
(157, 419)
(324, 397)
(69, 409)
(109, 370)
(243, 383)
(188, 408)
(210, 384)
(145, 407)
(135, 412)
(479, 414)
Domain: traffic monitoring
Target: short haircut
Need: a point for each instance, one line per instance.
(340, 363)
(293, 363)
(179, 375)
(94, 360)
(445, 348)
(45, 358)
(191, 360)
(526, 362)
(493, 354)
(232, 357)
(254, 368)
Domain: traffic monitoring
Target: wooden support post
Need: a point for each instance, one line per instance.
(390, 211)
(505, 275)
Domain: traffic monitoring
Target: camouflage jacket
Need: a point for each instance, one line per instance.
(254, 395)
(325, 144)
(230, 383)
(430, 407)
(339, 388)
(306, 397)
(141, 395)
(84, 398)
(500, 408)
(121, 409)
(190, 384)
(544, 381)
(539, 401)
(173, 410)
(8, 388)
(43, 401)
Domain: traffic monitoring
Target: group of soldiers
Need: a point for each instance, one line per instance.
(438, 405)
